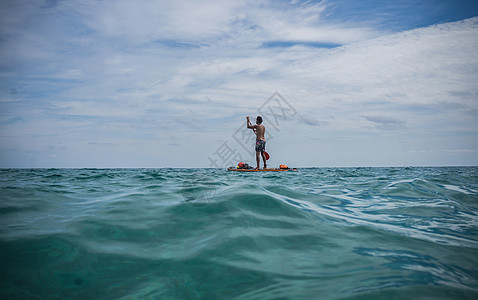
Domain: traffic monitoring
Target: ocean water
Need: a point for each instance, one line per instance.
(320, 233)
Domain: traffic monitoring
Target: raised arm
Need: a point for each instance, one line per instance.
(249, 125)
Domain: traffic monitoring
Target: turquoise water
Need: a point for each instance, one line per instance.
(325, 233)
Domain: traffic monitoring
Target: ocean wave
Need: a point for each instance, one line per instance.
(208, 233)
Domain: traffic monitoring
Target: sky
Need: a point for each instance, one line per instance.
(150, 84)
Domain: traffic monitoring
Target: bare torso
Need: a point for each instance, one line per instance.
(260, 131)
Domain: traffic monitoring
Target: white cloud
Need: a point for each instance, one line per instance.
(143, 21)
(460, 150)
(215, 21)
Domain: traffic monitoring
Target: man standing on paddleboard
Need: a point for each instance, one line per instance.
(260, 131)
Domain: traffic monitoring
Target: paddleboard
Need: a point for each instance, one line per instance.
(261, 170)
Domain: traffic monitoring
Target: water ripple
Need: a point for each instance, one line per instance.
(326, 233)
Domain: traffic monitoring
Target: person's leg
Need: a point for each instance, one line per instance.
(264, 159)
(258, 160)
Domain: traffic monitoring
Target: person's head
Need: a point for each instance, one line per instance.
(259, 120)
